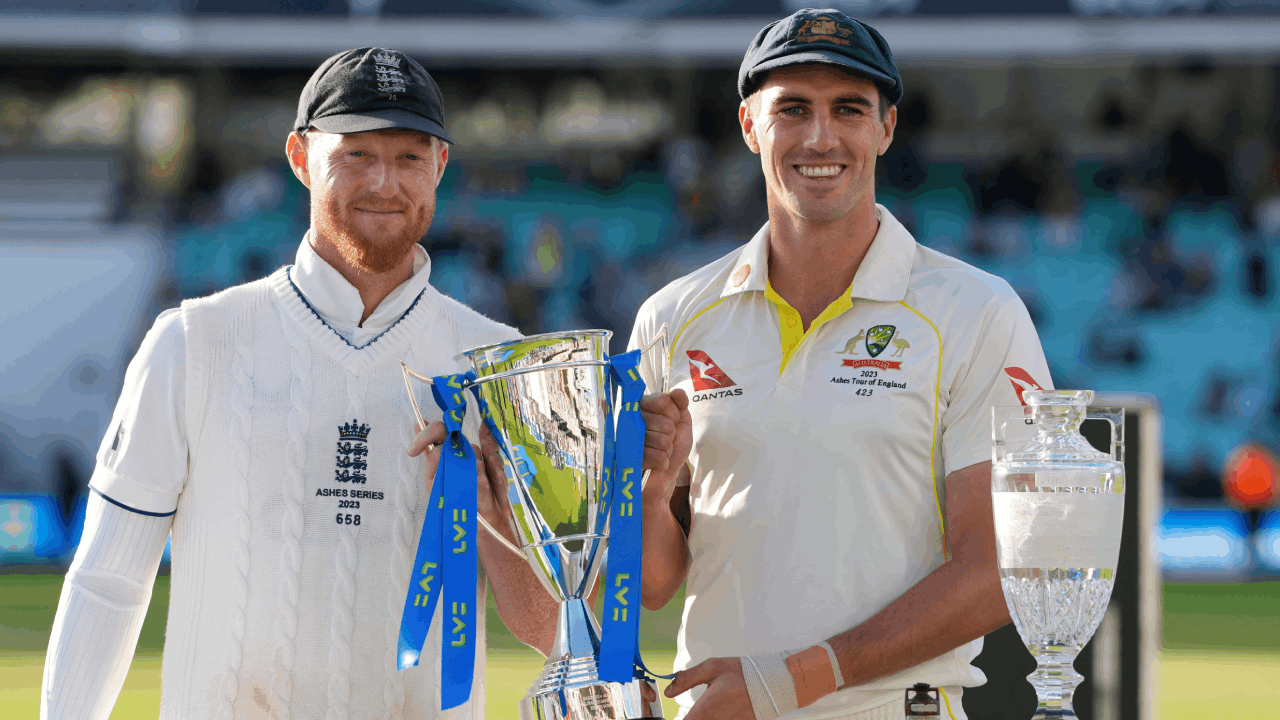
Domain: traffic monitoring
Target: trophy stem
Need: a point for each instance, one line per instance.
(577, 632)
(1055, 680)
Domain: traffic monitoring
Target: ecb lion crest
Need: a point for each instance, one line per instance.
(352, 453)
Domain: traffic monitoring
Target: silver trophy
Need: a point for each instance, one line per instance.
(546, 401)
(1059, 507)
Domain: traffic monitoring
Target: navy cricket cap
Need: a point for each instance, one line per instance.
(371, 89)
(828, 37)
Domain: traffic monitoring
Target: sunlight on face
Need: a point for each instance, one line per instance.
(373, 194)
(818, 131)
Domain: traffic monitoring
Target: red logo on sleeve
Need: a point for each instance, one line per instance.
(1022, 381)
(704, 372)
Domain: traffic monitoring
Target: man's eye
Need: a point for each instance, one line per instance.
(793, 110)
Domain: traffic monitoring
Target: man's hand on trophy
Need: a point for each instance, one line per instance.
(428, 439)
(726, 695)
(668, 437)
(491, 480)
(491, 485)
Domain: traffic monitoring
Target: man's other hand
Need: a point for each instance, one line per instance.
(491, 486)
(491, 480)
(668, 436)
(726, 695)
(428, 439)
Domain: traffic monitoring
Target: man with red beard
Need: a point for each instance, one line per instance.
(267, 429)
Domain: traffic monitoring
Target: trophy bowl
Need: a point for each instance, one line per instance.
(546, 399)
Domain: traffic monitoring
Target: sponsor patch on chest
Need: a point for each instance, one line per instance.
(710, 382)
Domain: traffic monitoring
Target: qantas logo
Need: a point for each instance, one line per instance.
(1022, 381)
(706, 375)
(704, 372)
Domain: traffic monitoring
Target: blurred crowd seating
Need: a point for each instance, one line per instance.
(1183, 304)
(1136, 210)
(1177, 298)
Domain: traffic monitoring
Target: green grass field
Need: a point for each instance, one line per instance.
(1221, 658)
(28, 604)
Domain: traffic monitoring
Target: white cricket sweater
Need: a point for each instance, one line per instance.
(281, 604)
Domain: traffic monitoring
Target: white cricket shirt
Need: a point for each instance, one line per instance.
(274, 429)
(819, 457)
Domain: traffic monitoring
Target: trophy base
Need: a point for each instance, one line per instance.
(569, 689)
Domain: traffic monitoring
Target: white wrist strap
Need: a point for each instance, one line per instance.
(771, 688)
(841, 680)
(765, 684)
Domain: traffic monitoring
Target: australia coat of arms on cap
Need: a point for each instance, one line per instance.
(823, 29)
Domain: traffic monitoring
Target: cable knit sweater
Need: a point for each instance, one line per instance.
(294, 527)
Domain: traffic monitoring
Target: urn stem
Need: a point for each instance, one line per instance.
(1055, 681)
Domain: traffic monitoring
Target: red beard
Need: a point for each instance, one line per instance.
(371, 254)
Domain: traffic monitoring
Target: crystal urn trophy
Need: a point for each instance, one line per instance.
(1059, 507)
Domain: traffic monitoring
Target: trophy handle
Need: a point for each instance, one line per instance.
(1114, 416)
(413, 399)
(498, 536)
(1001, 417)
(663, 367)
(417, 412)
(657, 345)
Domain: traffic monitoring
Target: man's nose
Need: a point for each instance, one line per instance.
(384, 181)
(820, 135)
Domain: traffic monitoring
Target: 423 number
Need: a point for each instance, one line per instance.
(864, 392)
(348, 519)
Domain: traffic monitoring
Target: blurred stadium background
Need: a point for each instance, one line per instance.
(1117, 161)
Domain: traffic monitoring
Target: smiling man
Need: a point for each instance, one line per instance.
(833, 523)
(267, 428)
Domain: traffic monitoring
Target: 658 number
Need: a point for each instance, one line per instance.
(348, 519)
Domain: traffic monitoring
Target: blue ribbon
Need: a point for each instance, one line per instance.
(619, 646)
(447, 551)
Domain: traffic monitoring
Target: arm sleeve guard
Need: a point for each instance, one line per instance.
(104, 600)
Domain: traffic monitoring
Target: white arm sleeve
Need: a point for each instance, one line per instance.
(104, 599)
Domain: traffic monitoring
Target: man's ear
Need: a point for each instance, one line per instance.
(295, 148)
(888, 125)
(442, 159)
(748, 124)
